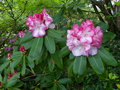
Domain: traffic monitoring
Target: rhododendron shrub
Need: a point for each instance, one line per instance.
(44, 53)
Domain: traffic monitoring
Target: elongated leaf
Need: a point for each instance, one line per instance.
(64, 80)
(107, 57)
(17, 55)
(61, 87)
(54, 33)
(13, 80)
(23, 66)
(51, 65)
(27, 37)
(0, 77)
(14, 88)
(36, 49)
(50, 44)
(79, 65)
(96, 63)
(4, 65)
(64, 51)
(58, 61)
(28, 44)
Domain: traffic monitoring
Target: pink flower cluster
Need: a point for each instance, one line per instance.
(21, 34)
(84, 40)
(39, 23)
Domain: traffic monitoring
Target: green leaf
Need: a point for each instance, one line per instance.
(17, 55)
(28, 36)
(4, 65)
(54, 33)
(107, 57)
(64, 51)
(79, 65)
(55, 87)
(70, 70)
(64, 80)
(23, 66)
(50, 44)
(103, 26)
(108, 36)
(36, 49)
(13, 80)
(0, 77)
(28, 44)
(61, 87)
(51, 65)
(97, 64)
(58, 61)
(13, 88)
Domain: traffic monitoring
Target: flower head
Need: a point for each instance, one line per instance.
(84, 40)
(22, 49)
(21, 34)
(9, 55)
(39, 23)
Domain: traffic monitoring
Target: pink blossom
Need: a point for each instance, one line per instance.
(84, 40)
(39, 23)
(22, 49)
(9, 55)
(21, 34)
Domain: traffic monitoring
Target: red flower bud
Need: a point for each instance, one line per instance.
(0, 83)
(22, 49)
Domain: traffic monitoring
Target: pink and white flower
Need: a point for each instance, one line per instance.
(39, 23)
(21, 34)
(84, 40)
(9, 55)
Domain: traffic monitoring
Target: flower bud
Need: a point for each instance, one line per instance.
(22, 49)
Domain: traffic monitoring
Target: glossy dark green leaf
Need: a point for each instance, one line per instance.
(79, 65)
(28, 44)
(50, 44)
(0, 77)
(51, 65)
(96, 63)
(16, 59)
(4, 65)
(64, 80)
(64, 51)
(61, 87)
(54, 33)
(108, 36)
(36, 49)
(23, 66)
(12, 81)
(17, 55)
(58, 60)
(28, 36)
(103, 26)
(107, 57)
